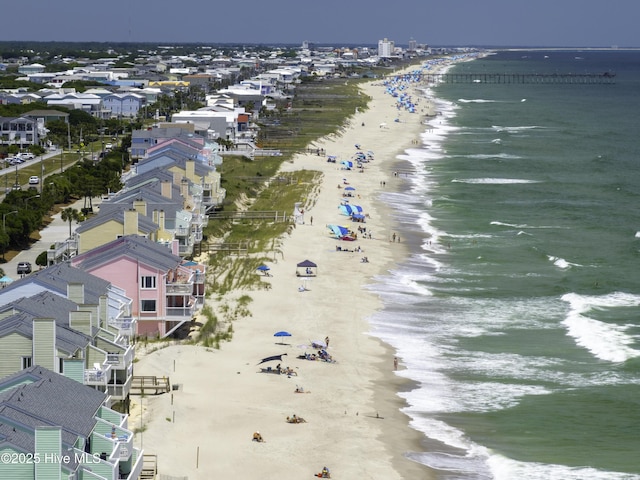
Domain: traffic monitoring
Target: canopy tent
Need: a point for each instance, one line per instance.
(338, 231)
(349, 210)
(341, 233)
(306, 269)
(348, 165)
(6, 280)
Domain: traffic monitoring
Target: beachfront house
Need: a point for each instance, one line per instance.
(88, 335)
(65, 427)
(112, 223)
(195, 173)
(165, 292)
(143, 140)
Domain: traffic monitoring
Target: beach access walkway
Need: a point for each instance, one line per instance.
(150, 384)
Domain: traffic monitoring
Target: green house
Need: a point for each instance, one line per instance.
(52, 427)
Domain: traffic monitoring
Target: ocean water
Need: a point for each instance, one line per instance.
(517, 311)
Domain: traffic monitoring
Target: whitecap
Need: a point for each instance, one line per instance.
(561, 262)
(493, 181)
(604, 340)
(478, 100)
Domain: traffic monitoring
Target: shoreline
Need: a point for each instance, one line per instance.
(222, 397)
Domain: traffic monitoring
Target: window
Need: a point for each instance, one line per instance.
(26, 362)
(147, 305)
(148, 281)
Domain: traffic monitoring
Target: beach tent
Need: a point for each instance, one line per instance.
(306, 269)
(349, 210)
(338, 231)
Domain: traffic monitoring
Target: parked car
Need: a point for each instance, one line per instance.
(24, 268)
(26, 156)
(34, 180)
(108, 146)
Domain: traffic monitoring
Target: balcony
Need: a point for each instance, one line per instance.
(179, 288)
(186, 312)
(185, 250)
(119, 391)
(182, 231)
(97, 376)
(61, 251)
(121, 360)
(126, 325)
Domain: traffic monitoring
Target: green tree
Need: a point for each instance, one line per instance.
(70, 214)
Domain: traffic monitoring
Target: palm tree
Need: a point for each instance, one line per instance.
(70, 214)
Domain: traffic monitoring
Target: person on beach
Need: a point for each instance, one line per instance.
(326, 341)
(395, 363)
(258, 438)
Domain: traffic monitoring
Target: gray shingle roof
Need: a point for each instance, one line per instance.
(116, 212)
(57, 277)
(67, 339)
(37, 397)
(136, 247)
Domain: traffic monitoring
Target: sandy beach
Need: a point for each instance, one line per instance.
(204, 428)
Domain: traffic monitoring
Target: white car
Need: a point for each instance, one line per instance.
(108, 146)
(26, 156)
(34, 180)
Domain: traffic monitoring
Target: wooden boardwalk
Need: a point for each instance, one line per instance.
(150, 385)
(149, 467)
(275, 215)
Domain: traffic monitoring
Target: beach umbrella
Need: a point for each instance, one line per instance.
(6, 279)
(349, 188)
(282, 333)
(318, 344)
(263, 268)
(271, 358)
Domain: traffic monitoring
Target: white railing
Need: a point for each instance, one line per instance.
(179, 288)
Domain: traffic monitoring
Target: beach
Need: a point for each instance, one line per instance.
(204, 427)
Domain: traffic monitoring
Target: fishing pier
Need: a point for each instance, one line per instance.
(518, 78)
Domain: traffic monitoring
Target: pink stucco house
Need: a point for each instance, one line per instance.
(165, 290)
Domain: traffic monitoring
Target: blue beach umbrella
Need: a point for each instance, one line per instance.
(263, 268)
(282, 333)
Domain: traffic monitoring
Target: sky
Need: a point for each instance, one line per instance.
(497, 23)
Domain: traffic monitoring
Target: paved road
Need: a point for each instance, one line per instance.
(11, 169)
(56, 231)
